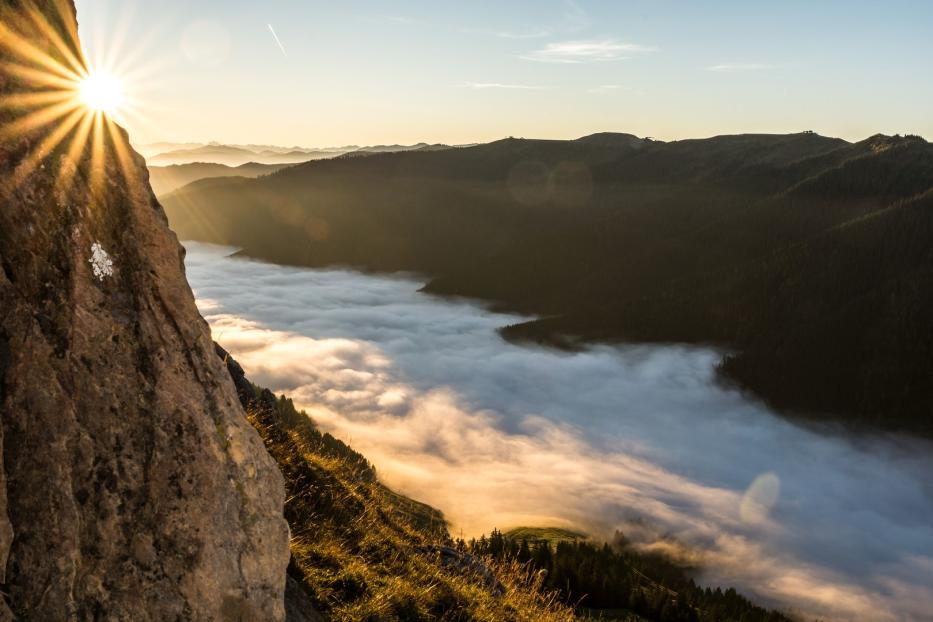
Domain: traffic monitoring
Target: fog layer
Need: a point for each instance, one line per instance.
(634, 438)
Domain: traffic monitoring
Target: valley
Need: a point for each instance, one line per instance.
(635, 438)
(804, 257)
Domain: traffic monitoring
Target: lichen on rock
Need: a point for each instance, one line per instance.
(100, 262)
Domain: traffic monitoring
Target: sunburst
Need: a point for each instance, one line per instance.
(54, 100)
(102, 92)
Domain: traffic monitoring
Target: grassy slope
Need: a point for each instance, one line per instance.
(361, 552)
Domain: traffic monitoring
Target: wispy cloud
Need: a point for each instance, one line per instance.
(737, 67)
(571, 18)
(500, 85)
(535, 33)
(575, 52)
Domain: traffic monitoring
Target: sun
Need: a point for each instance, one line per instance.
(59, 103)
(101, 92)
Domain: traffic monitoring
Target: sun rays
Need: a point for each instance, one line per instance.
(56, 104)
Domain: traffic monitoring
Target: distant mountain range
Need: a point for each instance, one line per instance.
(165, 179)
(808, 258)
(171, 154)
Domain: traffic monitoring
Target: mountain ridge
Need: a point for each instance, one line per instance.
(609, 238)
(172, 154)
(165, 179)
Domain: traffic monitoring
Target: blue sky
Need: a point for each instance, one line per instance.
(379, 72)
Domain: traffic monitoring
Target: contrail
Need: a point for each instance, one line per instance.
(276, 37)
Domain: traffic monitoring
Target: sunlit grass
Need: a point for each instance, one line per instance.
(365, 553)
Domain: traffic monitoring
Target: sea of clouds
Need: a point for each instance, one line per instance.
(638, 438)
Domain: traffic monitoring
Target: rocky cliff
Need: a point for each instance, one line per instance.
(132, 487)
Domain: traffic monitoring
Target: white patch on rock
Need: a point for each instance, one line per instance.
(100, 261)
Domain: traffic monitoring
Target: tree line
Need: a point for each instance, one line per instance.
(613, 577)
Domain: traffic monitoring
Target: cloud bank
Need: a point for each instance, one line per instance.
(638, 438)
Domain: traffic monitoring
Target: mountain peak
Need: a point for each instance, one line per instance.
(612, 139)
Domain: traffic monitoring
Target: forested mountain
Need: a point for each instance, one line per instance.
(804, 255)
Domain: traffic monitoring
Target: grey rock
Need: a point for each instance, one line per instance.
(132, 488)
(298, 605)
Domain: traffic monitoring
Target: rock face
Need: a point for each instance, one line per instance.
(132, 487)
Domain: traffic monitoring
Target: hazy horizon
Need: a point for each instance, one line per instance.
(416, 142)
(320, 74)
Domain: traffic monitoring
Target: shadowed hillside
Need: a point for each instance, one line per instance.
(799, 252)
